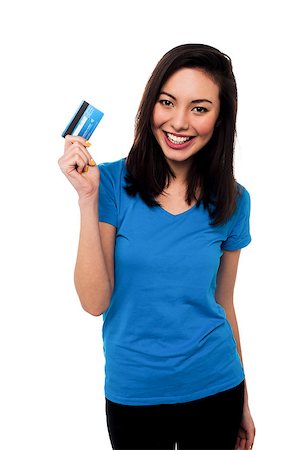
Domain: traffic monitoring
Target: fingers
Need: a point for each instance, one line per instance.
(250, 435)
(249, 442)
(242, 445)
(70, 139)
(76, 154)
(237, 445)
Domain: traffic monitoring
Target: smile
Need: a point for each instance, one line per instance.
(177, 142)
(178, 139)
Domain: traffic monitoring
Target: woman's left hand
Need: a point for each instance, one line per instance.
(246, 432)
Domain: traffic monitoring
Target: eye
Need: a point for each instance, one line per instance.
(165, 102)
(200, 109)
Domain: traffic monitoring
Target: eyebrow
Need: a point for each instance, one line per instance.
(199, 100)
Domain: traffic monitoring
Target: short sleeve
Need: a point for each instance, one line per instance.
(107, 208)
(239, 234)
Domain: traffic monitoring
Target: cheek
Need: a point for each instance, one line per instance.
(206, 127)
(155, 117)
(158, 117)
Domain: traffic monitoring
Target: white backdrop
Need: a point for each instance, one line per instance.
(53, 56)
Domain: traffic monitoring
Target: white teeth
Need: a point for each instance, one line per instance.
(177, 139)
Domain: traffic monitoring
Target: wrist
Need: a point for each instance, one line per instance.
(245, 395)
(245, 402)
(88, 202)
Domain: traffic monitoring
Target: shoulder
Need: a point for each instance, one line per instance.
(112, 170)
(238, 230)
(243, 197)
(242, 205)
(112, 166)
(242, 190)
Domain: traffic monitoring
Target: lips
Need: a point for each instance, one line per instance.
(177, 141)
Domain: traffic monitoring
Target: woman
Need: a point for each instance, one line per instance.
(160, 239)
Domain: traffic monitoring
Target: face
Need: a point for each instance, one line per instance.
(185, 114)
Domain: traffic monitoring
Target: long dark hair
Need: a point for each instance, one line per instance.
(212, 167)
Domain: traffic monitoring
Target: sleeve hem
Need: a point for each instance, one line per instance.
(237, 246)
(108, 220)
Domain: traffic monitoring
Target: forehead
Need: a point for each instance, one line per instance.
(191, 83)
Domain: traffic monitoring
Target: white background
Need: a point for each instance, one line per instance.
(54, 55)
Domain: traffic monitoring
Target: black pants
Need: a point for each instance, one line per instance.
(208, 423)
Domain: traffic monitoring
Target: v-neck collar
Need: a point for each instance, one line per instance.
(176, 215)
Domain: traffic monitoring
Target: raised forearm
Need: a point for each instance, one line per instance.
(91, 275)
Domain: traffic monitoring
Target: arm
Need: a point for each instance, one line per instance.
(226, 278)
(94, 270)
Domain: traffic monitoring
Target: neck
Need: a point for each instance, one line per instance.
(180, 169)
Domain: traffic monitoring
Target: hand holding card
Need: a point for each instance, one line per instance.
(77, 159)
(78, 166)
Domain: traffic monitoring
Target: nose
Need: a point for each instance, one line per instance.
(179, 120)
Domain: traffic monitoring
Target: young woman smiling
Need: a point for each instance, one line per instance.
(160, 239)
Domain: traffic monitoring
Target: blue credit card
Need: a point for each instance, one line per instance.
(84, 121)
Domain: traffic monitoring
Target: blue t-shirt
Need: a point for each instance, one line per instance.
(165, 338)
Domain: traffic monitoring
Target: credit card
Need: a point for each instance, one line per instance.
(84, 121)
